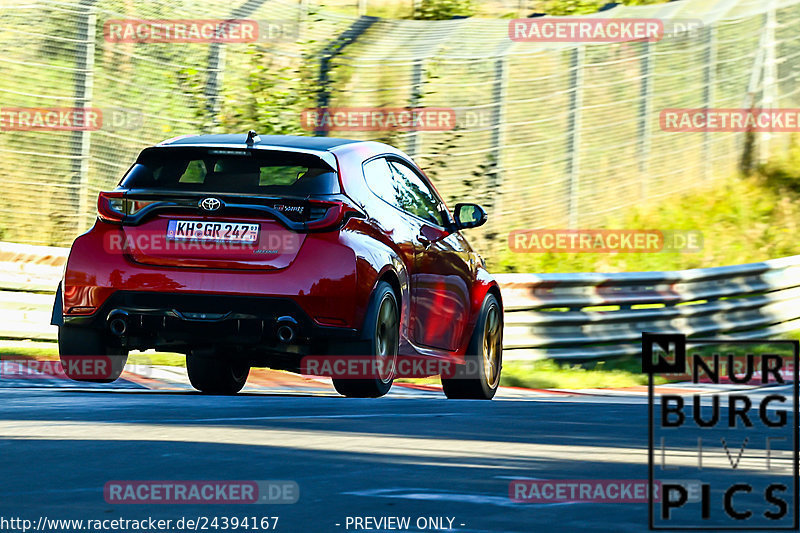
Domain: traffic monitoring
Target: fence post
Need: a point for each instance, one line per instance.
(499, 99)
(334, 48)
(496, 168)
(418, 82)
(417, 72)
(749, 147)
(709, 96)
(216, 64)
(645, 114)
(768, 100)
(84, 85)
(574, 130)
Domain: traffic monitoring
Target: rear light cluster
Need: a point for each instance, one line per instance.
(323, 215)
(112, 206)
(318, 214)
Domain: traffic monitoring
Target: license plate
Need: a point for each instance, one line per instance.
(192, 230)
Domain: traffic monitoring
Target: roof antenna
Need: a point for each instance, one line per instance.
(252, 137)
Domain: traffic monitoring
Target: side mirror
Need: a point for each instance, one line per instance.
(469, 216)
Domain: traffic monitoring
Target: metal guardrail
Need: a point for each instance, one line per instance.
(29, 276)
(593, 316)
(562, 316)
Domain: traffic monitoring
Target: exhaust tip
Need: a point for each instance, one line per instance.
(118, 322)
(287, 329)
(285, 334)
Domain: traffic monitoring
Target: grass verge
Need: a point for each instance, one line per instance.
(549, 374)
(742, 219)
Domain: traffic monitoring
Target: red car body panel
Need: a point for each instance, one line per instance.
(322, 279)
(330, 275)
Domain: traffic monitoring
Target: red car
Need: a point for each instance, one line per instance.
(244, 251)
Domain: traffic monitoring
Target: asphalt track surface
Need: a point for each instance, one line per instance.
(410, 454)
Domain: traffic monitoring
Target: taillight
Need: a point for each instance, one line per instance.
(316, 212)
(134, 206)
(111, 206)
(323, 215)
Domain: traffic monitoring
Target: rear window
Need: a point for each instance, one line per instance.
(229, 170)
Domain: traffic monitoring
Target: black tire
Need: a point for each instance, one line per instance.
(480, 377)
(216, 374)
(380, 339)
(86, 355)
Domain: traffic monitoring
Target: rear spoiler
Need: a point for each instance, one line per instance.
(326, 158)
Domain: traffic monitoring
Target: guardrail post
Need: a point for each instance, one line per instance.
(574, 130)
(84, 85)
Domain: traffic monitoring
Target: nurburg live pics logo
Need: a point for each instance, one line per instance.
(729, 461)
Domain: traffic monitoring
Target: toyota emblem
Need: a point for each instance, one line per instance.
(210, 204)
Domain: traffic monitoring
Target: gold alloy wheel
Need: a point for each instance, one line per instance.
(492, 346)
(387, 339)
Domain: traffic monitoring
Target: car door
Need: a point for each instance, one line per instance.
(441, 275)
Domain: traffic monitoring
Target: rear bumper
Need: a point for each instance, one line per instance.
(156, 320)
(318, 289)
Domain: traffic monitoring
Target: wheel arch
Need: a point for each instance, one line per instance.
(484, 284)
(494, 289)
(395, 275)
(390, 276)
